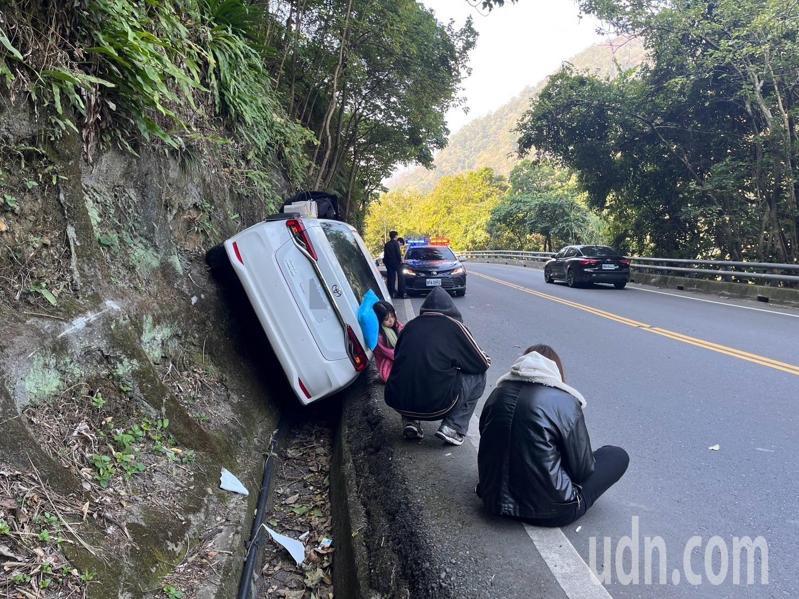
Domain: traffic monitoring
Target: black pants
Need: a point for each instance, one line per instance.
(395, 281)
(610, 465)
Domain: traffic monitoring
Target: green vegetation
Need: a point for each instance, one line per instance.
(539, 208)
(543, 210)
(126, 447)
(459, 208)
(331, 94)
(151, 70)
(172, 592)
(695, 153)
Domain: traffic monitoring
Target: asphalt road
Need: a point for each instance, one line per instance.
(666, 377)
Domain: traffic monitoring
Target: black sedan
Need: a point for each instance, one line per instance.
(578, 264)
(430, 266)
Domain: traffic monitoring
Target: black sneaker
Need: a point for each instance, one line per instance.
(449, 435)
(412, 429)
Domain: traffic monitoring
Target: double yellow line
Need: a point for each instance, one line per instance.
(716, 347)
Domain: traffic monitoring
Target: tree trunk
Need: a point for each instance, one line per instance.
(787, 142)
(334, 99)
(350, 185)
(289, 21)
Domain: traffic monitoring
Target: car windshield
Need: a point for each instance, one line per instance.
(430, 253)
(599, 251)
(352, 259)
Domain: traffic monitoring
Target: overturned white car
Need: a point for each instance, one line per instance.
(305, 279)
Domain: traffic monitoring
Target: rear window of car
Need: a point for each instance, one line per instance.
(353, 262)
(599, 251)
(426, 253)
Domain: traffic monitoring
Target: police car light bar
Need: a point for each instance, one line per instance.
(439, 241)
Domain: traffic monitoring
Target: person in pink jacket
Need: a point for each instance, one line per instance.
(387, 337)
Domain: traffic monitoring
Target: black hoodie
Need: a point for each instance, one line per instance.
(432, 352)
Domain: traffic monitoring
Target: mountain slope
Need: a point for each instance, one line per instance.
(490, 141)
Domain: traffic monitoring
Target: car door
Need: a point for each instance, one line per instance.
(557, 267)
(570, 258)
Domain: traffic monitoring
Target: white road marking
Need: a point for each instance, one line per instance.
(572, 573)
(408, 309)
(707, 301)
(574, 576)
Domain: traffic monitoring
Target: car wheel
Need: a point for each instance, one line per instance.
(620, 285)
(548, 277)
(570, 278)
(460, 293)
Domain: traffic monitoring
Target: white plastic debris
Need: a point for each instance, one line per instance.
(304, 536)
(194, 299)
(578, 529)
(326, 543)
(293, 546)
(228, 482)
(715, 447)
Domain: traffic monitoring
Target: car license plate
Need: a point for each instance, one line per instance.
(608, 267)
(433, 282)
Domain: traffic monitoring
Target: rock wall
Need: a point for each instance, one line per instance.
(126, 382)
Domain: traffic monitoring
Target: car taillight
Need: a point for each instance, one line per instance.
(304, 389)
(589, 262)
(355, 351)
(300, 235)
(625, 261)
(237, 252)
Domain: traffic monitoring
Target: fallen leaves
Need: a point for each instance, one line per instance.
(33, 532)
(301, 509)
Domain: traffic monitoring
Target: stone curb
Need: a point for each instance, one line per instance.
(381, 550)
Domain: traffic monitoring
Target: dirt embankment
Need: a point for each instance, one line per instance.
(125, 385)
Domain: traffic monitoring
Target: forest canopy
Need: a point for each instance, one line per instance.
(695, 152)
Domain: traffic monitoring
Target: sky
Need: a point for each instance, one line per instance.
(519, 45)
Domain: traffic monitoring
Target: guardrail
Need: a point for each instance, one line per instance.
(721, 270)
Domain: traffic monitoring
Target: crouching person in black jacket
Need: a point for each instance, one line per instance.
(535, 460)
(439, 371)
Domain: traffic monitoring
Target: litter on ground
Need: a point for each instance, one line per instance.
(293, 546)
(229, 482)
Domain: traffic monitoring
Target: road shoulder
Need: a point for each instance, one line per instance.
(416, 527)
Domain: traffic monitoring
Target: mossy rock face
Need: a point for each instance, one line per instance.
(138, 334)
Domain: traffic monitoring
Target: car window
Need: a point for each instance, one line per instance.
(570, 252)
(352, 260)
(600, 251)
(430, 253)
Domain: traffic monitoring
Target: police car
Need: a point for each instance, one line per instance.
(430, 263)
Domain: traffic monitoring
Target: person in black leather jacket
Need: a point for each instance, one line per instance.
(535, 460)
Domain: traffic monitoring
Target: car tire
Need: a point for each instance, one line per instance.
(460, 293)
(620, 285)
(548, 277)
(570, 278)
